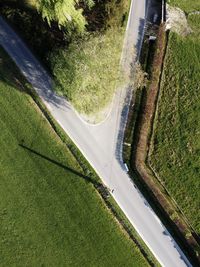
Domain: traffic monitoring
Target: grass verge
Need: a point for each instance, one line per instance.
(87, 72)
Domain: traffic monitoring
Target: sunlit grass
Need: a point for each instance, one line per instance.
(88, 70)
(175, 153)
(31, 3)
(186, 5)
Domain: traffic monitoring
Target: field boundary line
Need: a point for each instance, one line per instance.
(141, 149)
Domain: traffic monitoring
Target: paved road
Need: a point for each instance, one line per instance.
(101, 144)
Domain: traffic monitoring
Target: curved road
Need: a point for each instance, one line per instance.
(101, 144)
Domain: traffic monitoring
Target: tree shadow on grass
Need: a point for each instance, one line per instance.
(9, 73)
(86, 178)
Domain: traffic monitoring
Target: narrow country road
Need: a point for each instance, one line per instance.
(101, 144)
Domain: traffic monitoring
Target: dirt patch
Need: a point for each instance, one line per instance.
(177, 21)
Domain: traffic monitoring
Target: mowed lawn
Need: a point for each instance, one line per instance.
(175, 154)
(49, 214)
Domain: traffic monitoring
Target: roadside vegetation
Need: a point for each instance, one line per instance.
(80, 44)
(87, 72)
(175, 148)
(50, 213)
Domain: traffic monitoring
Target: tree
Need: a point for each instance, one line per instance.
(65, 12)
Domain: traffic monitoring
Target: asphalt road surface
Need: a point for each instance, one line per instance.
(101, 144)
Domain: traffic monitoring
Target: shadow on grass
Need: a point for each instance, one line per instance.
(86, 178)
(9, 73)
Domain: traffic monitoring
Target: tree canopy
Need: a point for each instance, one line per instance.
(65, 12)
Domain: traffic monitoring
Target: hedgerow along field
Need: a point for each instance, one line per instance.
(175, 151)
(49, 214)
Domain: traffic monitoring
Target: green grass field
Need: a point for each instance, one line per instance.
(50, 215)
(186, 5)
(175, 151)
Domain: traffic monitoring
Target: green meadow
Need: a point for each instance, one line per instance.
(50, 213)
(175, 150)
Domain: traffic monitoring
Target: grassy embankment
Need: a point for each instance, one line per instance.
(50, 215)
(175, 149)
(89, 69)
